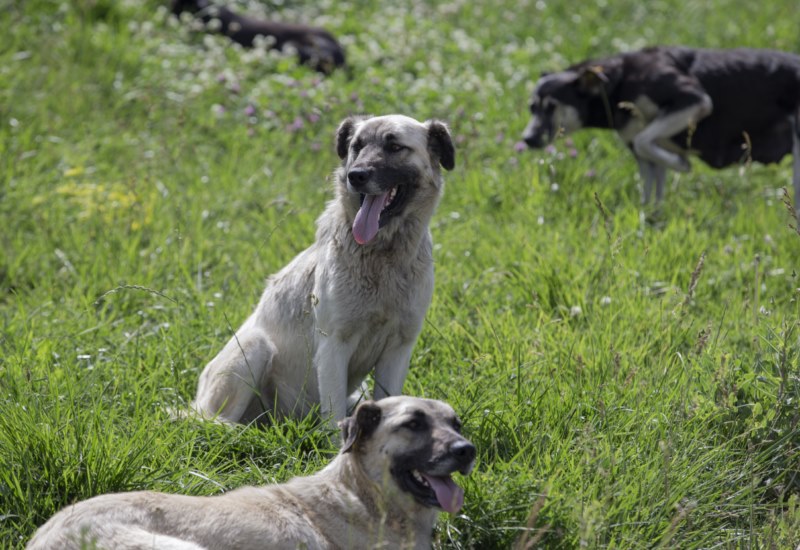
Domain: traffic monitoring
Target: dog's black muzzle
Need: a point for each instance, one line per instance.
(538, 132)
(463, 453)
(359, 177)
(534, 141)
(537, 136)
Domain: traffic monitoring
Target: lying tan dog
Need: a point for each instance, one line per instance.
(383, 490)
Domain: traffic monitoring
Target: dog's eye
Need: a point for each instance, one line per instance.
(414, 425)
(394, 147)
(457, 426)
(356, 146)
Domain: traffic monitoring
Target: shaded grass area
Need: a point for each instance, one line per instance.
(631, 378)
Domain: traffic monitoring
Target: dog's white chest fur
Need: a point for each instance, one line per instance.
(373, 309)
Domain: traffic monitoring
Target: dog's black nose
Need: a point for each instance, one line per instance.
(358, 177)
(533, 141)
(464, 450)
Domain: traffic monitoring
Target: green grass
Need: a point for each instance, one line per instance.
(622, 393)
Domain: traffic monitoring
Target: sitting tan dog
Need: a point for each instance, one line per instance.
(383, 490)
(353, 302)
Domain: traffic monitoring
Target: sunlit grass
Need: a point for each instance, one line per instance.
(621, 393)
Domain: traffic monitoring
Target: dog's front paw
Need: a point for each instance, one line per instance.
(682, 164)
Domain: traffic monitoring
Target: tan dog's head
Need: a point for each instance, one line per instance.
(390, 170)
(414, 442)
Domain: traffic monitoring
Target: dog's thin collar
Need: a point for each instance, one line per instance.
(607, 106)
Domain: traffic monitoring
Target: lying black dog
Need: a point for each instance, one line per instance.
(726, 106)
(315, 46)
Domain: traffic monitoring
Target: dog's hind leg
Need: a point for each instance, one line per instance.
(236, 375)
(133, 536)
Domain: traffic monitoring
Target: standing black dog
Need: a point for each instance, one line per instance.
(315, 46)
(726, 106)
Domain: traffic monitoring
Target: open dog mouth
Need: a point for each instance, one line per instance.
(431, 490)
(375, 211)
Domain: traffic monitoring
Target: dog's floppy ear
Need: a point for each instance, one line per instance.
(345, 133)
(360, 425)
(591, 79)
(596, 78)
(441, 144)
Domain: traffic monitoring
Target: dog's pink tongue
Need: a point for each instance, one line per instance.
(449, 495)
(365, 226)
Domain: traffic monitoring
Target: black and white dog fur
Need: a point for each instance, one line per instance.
(315, 46)
(726, 106)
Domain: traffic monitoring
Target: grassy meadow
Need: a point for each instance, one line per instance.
(631, 377)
